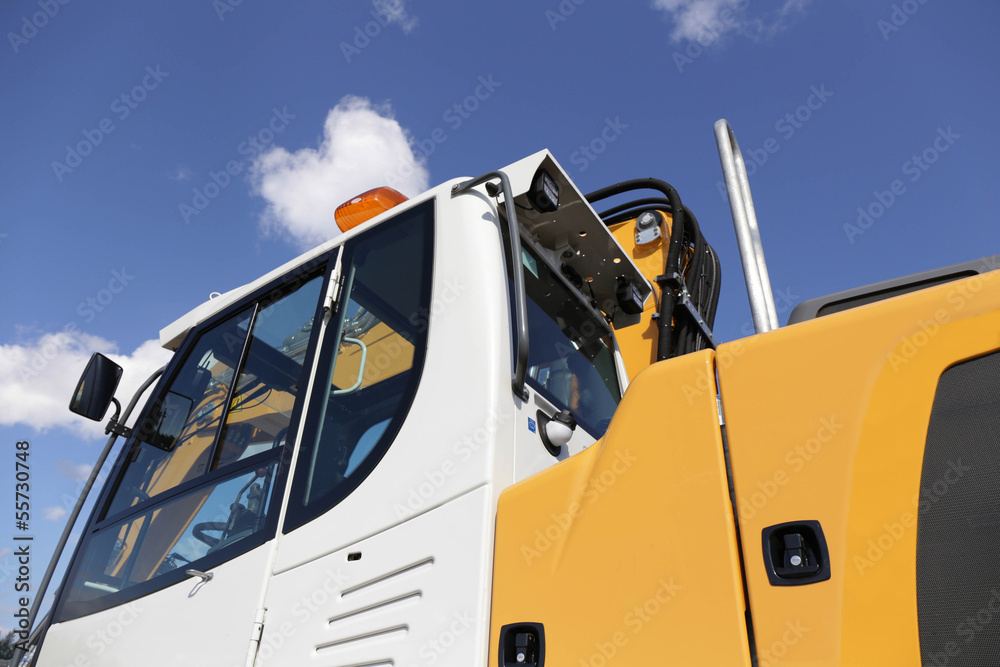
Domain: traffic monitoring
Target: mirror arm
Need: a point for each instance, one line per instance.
(20, 648)
(114, 426)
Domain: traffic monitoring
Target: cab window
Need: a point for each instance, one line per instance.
(197, 480)
(570, 353)
(369, 363)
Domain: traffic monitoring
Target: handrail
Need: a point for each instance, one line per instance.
(520, 305)
(765, 317)
(94, 472)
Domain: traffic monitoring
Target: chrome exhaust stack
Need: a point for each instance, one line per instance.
(765, 317)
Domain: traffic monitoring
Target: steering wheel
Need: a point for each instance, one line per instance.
(199, 531)
(278, 438)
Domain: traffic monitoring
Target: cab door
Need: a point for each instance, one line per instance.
(173, 564)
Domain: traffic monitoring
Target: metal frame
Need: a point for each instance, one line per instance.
(765, 317)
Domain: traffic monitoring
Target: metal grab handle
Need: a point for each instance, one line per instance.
(517, 267)
(361, 367)
(765, 317)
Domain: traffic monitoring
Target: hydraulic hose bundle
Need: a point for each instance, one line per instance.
(691, 267)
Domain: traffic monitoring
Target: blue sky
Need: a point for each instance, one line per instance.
(155, 154)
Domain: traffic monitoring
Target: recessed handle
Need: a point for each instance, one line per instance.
(205, 576)
(795, 553)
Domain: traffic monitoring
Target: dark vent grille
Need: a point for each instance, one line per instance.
(958, 530)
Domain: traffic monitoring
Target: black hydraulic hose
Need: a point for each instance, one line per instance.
(646, 202)
(688, 332)
(668, 298)
(634, 213)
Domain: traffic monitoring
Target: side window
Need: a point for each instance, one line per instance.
(570, 348)
(197, 483)
(174, 443)
(570, 356)
(180, 438)
(370, 362)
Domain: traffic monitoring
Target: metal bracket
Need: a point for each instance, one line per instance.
(116, 427)
(676, 282)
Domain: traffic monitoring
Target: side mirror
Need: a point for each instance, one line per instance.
(96, 388)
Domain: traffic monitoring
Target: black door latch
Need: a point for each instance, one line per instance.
(795, 553)
(522, 645)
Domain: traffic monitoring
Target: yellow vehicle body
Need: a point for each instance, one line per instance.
(826, 420)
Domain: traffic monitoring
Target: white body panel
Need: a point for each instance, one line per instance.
(415, 596)
(189, 624)
(402, 565)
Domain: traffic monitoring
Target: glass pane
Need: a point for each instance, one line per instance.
(369, 364)
(174, 535)
(175, 441)
(570, 358)
(261, 407)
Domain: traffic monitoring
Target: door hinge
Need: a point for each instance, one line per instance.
(333, 288)
(256, 632)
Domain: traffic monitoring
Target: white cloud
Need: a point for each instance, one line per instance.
(706, 21)
(37, 378)
(395, 12)
(54, 513)
(362, 147)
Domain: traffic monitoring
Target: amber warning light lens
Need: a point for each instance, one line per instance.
(366, 206)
